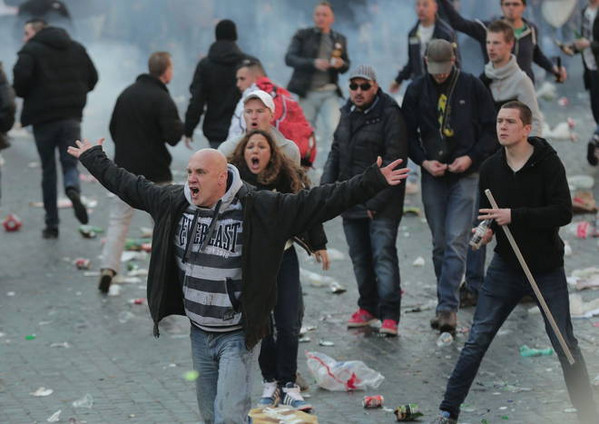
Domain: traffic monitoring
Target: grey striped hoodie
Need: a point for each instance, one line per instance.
(210, 263)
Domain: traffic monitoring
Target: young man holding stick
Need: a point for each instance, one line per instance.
(528, 182)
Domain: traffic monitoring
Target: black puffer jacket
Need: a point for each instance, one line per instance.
(7, 103)
(358, 140)
(143, 120)
(214, 88)
(53, 75)
(301, 54)
(269, 220)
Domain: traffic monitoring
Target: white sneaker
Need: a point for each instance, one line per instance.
(270, 395)
(293, 398)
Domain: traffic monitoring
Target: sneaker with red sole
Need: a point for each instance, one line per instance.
(361, 318)
(389, 327)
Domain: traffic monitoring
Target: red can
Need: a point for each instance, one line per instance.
(12, 223)
(83, 263)
(373, 401)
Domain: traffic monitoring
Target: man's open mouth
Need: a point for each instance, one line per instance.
(194, 190)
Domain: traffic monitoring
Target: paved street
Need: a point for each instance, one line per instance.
(58, 332)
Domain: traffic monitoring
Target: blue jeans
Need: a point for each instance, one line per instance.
(324, 103)
(224, 384)
(278, 352)
(373, 251)
(449, 208)
(475, 259)
(49, 137)
(503, 288)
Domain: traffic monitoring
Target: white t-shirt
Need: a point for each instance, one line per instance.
(426, 35)
(587, 31)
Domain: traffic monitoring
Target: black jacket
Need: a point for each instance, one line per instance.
(526, 48)
(594, 49)
(214, 88)
(357, 142)
(53, 75)
(471, 116)
(416, 66)
(301, 54)
(7, 104)
(269, 220)
(143, 120)
(539, 198)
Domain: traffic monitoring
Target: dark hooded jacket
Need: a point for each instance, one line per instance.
(214, 88)
(269, 220)
(144, 118)
(539, 198)
(526, 48)
(594, 49)
(7, 104)
(359, 139)
(53, 75)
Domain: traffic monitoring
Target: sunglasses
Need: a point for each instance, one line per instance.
(507, 4)
(364, 87)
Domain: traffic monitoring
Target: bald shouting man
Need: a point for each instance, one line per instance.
(216, 250)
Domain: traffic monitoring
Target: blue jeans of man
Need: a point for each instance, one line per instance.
(224, 384)
(449, 207)
(49, 137)
(475, 259)
(373, 251)
(502, 289)
(278, 351)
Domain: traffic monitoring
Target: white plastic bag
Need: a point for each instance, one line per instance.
(342, 376)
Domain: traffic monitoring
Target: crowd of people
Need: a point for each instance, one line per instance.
(223, 243)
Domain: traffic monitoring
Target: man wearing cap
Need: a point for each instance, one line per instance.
(213, 87)
(318, 55)
(450, 118)
(258, 111)
(371, 125)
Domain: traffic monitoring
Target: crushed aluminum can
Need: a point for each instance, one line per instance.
(407, 412)
(373, 401)
(82, 263)
(12, 223)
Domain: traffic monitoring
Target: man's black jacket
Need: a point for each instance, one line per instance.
(594, 48)
(269, 220)
(358, 140)
(214, 88)
(143, 120)
(53, 75)
(301, 54)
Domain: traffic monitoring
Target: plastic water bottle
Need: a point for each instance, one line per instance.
(445, 339)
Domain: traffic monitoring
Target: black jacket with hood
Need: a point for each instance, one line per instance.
(540, 203)
(526, 47)
(359, 139)
(214, 88)
(144, 118)
(301, 54)
(269, 220)
(53, 75)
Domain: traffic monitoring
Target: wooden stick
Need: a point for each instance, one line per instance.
(533, 283)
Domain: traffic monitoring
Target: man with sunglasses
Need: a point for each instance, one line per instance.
(371, 125)
(526, 47)
(450, 118)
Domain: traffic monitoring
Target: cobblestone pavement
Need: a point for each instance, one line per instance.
(86, 343)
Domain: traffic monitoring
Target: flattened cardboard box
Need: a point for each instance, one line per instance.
(280, 415)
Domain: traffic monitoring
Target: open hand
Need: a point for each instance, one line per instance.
(392, 175)
(501, 216)
(322, 256)
(82, 146)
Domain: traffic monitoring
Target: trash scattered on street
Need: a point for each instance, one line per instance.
(547, 91)
(570, 410)
(86, 401)
(306, 328)
(304, 339)
(335, 255)
(65, 345)
(419, 261)
(586, 278)
(567, 248)
(528, 352)
(562, 131)
(583, 229)
(10, 294)
(114, 290)
(30, 337)
(138, 273)
(140, 244)
(83, 263)
(132, 255)
(146, 232)
(409, 412)
(191, 375)
(583, 202)
(343, 375)
(337, 288)
(580, 182)
(140, 301)
(282, 414)
(89, 231)
(563, 101)
(411, 211)
(445, 339)
(12, 223)
(125, 316)
(55, 417)
(370, 402)
(42, 392)
(325, 343)
(315, 279)
(121, 279)
(582, 309)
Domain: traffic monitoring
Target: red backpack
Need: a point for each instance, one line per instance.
(290, 120)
